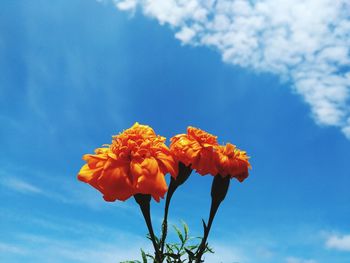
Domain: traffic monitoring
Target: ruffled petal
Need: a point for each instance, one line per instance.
(115, 184)
(152, 180)
(195, 149)
(233, 162)
(86, 174)
(168, 164)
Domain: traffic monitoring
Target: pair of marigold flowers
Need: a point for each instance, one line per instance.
(137, 161)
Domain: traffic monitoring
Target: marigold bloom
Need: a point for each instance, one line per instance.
(135, 162)
(196, 148)
(232, 162)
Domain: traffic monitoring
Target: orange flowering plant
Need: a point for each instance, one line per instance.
(135, 165)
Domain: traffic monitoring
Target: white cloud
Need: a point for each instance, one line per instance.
(185, 35)
(10, 249)
(299, 260)
(19, 185)
(126, 5)
(306, 42)
(67, 240)
(71, 192)
(39, 248)
(339, 242)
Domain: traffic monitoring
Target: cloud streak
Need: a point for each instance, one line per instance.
(299, 260)
(10, 249)
(68, 240)
(37, 248)
(71, 192)
(306, 43)
(19, 185)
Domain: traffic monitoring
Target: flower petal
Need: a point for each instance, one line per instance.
(115, 184)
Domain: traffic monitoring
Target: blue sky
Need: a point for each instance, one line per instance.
(73, 73)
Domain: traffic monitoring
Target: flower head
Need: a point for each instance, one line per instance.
(196, 148)
(135, 162)
(232, 162)
(201, 151)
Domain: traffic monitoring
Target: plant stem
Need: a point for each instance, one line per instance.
(144, 203)
(213, 209)
(170, 193)
(218, 193)
(184, 173)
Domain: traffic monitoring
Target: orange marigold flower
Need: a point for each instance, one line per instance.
(233, 162)
(196, 148)
(135, 162)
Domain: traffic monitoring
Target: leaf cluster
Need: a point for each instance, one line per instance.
(179, 252)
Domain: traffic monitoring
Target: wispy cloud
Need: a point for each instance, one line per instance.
(304, 42)
(71, 192)
(19, 185)
(69, 240)
(12, 249)
(338, 242)
(61, 250)
(299, 260)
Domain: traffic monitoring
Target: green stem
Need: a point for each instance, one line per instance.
(184, 173)
(170, 193)
(213, 209)
(144, 203)
(218, 193)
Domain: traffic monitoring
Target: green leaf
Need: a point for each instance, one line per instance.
(186, 230)
(144, 256)
(209, 249)
(157, 240)
(176, 246)
(192, 247)
(179, 234)
(169, 248)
